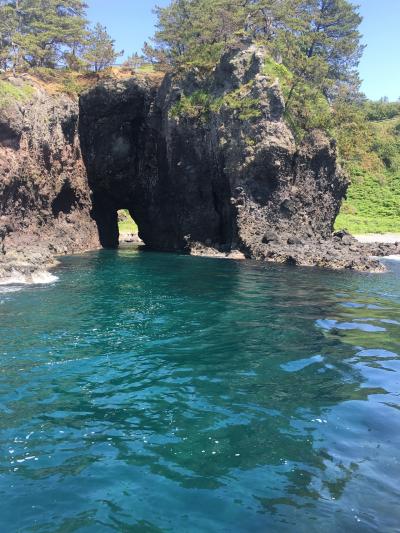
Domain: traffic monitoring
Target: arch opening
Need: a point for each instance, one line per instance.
(128, 229)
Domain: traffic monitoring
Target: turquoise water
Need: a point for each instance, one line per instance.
(155, 392)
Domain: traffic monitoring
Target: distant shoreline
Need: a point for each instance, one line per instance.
(386, 238)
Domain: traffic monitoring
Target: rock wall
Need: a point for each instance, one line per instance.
(211, 163)
(206, 166)
(45, 200)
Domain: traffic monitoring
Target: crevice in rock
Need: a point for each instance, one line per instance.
(65, 200)
(8, 137)
(69, 128)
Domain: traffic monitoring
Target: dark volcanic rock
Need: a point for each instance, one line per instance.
(208, 167)
(44, 196)
(119, 140)
(213, 176)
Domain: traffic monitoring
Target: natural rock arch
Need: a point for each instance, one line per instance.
(210, 176)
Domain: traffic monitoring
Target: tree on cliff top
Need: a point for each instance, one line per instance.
(100, 51)
(314, 49)
(51, 33)
(194, 32)
(317, 39)
(41, 32)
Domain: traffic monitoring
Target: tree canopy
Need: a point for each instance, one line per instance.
(100, 52)
(50, 33)
(314, 47)
(318, 40)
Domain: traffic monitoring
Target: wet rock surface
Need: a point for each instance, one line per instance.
(26, 264)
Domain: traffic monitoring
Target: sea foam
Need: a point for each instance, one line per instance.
(36, 278)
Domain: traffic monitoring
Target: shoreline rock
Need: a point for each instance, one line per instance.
(218, 176)
(225, 170)
(213, 180)
(26, 265)
(44, 196)
(33, 265)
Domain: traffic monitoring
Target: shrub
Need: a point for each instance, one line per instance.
(382, 110)
(200, 104)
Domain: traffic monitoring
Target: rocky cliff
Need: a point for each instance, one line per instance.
(204, 165)
(44, 195)
(208, 165)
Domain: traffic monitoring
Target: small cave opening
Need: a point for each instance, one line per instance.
(127, 227)
(115, 224)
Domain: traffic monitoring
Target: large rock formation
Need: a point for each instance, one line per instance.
(44, 196)
(206, 166)
(212, 164)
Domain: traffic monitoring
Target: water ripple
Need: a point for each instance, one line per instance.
(150, 392)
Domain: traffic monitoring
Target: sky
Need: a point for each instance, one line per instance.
(131, 22)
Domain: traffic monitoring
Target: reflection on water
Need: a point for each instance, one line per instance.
(151, 392)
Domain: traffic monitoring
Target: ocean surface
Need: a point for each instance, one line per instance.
(146, 392)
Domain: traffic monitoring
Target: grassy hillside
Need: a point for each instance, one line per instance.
(373, 203)
(126, 224)
(11, 93)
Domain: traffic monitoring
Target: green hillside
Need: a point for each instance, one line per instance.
(373, 202)
(126, 224)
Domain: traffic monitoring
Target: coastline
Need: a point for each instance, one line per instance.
(33, 267)
(383, 238)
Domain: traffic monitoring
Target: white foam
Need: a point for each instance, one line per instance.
(5, 290)
(392, 257)
(43, 278)
(36, 278)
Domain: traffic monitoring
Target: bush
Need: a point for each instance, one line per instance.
(200, 104)
(196, 105)
(275, 70)
(382, 110)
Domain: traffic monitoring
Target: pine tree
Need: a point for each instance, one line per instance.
(100, 51)
(8, 28)
(41, 32)
(195, 32)
(318, 39)
(133, 62)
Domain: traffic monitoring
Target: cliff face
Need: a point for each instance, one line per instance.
(44, 196)
(209, 163)
(261, 186)
(206, 166)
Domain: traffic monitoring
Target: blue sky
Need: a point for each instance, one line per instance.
(131, 22)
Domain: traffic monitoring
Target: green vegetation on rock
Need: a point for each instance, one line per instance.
(196, 105)
(313, 48)
(200, 105)
(373, 202)
(10, 93)
(126, 224)
(239, 100)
